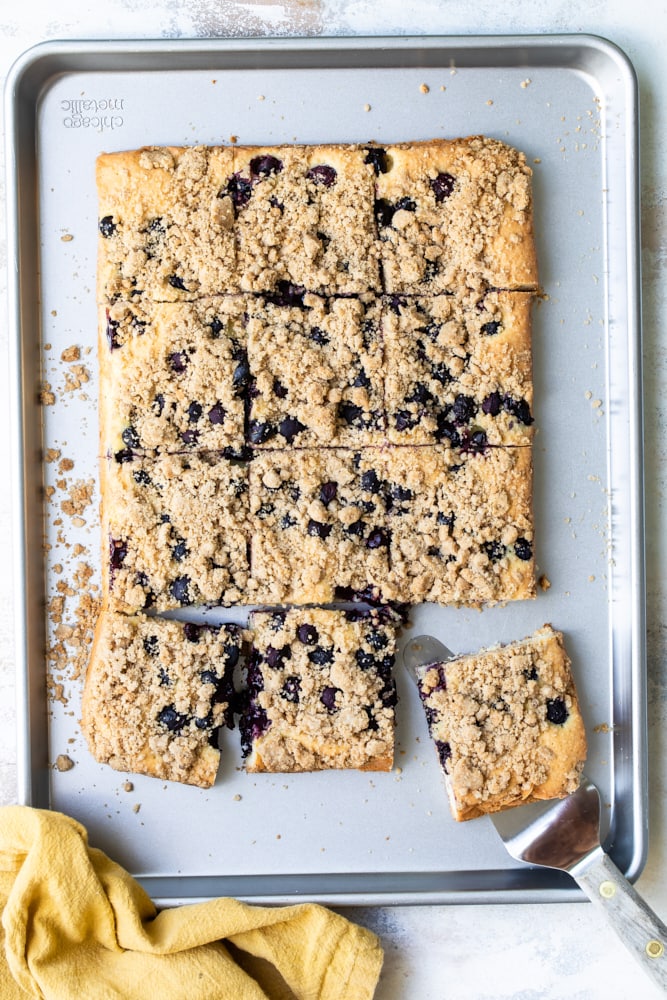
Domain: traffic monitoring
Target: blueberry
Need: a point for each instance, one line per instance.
(279, 389)
(156, 225)
(356, 528)
(112, 333)
(216, 414)
(124, 455)
(379, 160)
(447, 431)
(447, 519)
(164, 519)
(173, 720)
(151, 645)
(286, 294)
(328, 492)
(377, 538)
(180, 590)
(377, 640)
(277, 622)
(232, 654)
(194, 412)
(289, 427)
(401, 493)
(444, 754)
(395, 303)
(491, 328)
(370, 481)
(319, 336)
(365, 660)
(463, 409)
(384, 212)
(107, 226)
(307, 634)
(518, 408)
(328, 698)
(165, 680)
(322, 175)
(117, 553)
(273, 201)
(318, 529)
(557, 711)
(442, 186)
(291, 689)
(253, 724)
(241, 374)
(441, 373)
(350, 413)
(275, 657)
(242, 454)
(287, 521)
(361, 380)
(178, 362)
(492, 404)
(494, 550)
(176, 282)
(157, 406)
(321, 656)
(474, 442)
(190, 436)
(264, 166)
(530, 675)
(523, 549)
(180, 551)
(217, 326)
(130, 437)
(258, 432)
(239, 189)
(404, 420)
(192, 633)
(406, 205)
(420, 394)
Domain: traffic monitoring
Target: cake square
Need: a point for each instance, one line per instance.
(166, 224)
(460, 525)
(458, 369)
(305, 217)
(321, 691)
(173, 376)
(174, 531)
(316, 371)
(455, 214)
(319, 526)
(506, 724)
(157, 693)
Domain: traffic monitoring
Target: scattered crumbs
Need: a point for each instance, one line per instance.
(602, 728)
(279, 836)
(591, 578)
(596, 404)
(580, 211)
(526, 83)
(66, 465)
(537, 159)
(46, 396)
(76, 377)
(589, 394)
(54, 312)
(367, 107)
(489, 102)
(424, 87)
(442, 87)
(136, 807)
(261, 97)
(568, 520)
(544, 582)
(64, 763)
(72, 353)
(233, 138)
(398, 770)
(51, 455)
(66, 237)
(214, 81)
(58, 568)
(237, 797)
(80, 497)
(128, 786)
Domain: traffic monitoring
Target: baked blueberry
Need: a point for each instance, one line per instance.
(173, 720)
(264, 166)
(322, 174)
(557, 711)
(442, 186)
(307, 634)
(523, 549)
(107, 226)
(180, 590)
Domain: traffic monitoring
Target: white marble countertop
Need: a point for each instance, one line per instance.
(526, 951)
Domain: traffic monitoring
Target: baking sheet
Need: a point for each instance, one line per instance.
(570, 103)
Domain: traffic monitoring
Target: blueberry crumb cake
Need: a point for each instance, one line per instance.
(320, 690)
(506, 724)
(315, 385)
(157, 692)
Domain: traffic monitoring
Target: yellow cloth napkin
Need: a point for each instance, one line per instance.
(76, 925)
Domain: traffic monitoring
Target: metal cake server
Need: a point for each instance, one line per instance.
(565, 834)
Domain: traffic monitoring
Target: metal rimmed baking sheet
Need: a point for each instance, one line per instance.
(570, 103)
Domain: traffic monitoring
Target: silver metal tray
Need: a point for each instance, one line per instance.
(570, 103)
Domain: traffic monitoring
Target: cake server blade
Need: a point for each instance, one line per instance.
(565, 834)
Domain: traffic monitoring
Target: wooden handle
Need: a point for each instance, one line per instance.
(641, 931)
